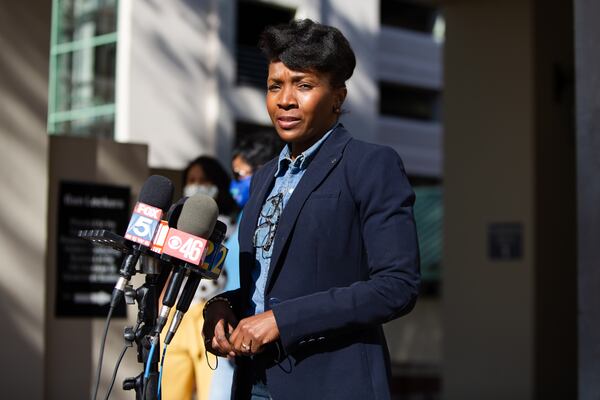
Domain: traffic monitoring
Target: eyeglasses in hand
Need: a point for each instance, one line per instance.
(265, 232)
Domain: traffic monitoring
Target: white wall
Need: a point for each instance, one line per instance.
(166, 93)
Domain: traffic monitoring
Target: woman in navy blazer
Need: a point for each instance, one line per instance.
(338, 253)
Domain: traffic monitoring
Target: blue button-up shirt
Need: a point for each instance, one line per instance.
(287, 177)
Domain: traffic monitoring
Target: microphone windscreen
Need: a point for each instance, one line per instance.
(157, 191)
(219, 232)
(174, 212)
(198, 216)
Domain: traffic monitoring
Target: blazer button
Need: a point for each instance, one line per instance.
(273, 301)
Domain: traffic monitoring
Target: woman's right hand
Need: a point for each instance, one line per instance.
(219, 323)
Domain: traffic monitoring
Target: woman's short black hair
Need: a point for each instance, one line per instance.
(304, 45)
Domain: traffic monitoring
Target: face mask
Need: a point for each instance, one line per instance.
(194, 188)
(240, 190)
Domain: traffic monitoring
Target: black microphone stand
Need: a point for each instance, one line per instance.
(147, 297)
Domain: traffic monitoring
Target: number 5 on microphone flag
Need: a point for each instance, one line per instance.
(143, 223)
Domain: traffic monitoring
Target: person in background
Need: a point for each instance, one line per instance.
(247, 157)
(328, 244)
(206, 175)
(185, 371)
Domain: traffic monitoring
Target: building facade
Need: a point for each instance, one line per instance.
(186, 77)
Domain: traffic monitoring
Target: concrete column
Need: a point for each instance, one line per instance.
(489, 177)
(587, 32)
(509, 320)
(555, 287)
(72, 344)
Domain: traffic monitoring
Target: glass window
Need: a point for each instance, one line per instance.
(252, 19)
(429, 212)
(83, 68)
(409, 102)
(409, 15)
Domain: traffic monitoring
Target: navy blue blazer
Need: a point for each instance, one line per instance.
(345, 260)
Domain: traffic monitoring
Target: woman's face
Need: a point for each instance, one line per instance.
(197, 182)
(302, 105)
(197, 176)
(240, 168)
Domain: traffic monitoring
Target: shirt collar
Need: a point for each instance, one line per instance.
(301, 162)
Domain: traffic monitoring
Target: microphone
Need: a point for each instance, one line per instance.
(155, 197)
(160, 238)
(189, 290)
(173, 214)
(215, 257)
(212, 257)
(186, 246)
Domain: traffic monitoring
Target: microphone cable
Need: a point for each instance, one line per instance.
(101, 353)
(148, 365)
(128, 344)
(114, 375)
(162, 363)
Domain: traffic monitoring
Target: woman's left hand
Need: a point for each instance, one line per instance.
(252, 333)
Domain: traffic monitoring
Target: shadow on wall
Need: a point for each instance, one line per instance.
(24, 41)
(21, 330)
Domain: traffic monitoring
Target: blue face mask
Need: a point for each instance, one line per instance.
(240, 190)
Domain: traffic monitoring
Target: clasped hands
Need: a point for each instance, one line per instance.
(225, 336)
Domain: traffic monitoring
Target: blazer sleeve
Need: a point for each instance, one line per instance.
(384, 201)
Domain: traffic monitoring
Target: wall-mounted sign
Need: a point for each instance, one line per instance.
(86, 273)
(505, 241)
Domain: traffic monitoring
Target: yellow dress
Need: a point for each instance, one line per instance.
(185, 370)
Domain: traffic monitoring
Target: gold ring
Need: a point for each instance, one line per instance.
(245, 346)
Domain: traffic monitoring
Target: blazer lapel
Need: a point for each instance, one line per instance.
(325, 160)
(254, 206)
